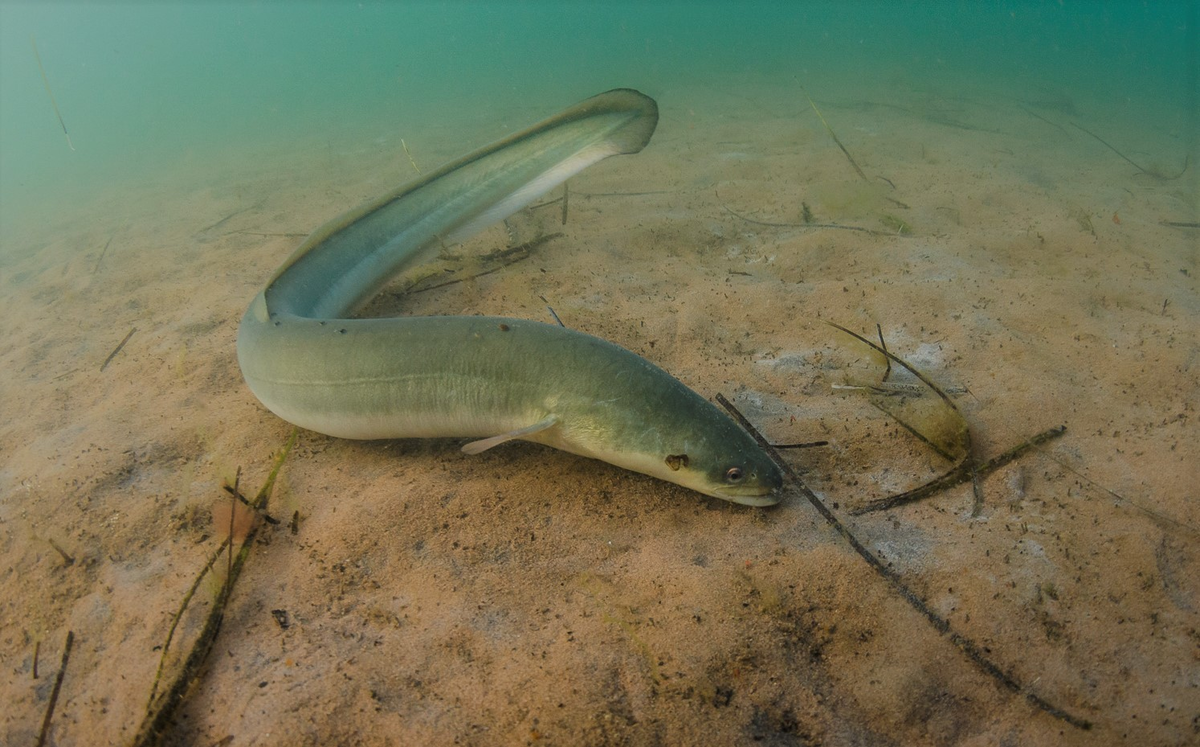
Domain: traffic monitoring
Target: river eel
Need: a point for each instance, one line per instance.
(493, 379)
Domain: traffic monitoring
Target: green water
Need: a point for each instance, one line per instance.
(149, 87)
(989, 237)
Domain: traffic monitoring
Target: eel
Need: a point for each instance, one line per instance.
(488, 378)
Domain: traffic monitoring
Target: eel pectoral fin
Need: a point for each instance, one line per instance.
(475, 447)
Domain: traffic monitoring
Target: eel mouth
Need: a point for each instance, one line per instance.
(749, 495)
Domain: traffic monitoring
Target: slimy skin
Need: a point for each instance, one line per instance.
(489, 378)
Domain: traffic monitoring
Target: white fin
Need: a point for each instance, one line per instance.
(476, 447)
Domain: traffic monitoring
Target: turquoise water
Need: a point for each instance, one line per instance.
(1037, 275)
(145, 87)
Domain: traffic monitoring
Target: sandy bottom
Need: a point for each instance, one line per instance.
(528, 596)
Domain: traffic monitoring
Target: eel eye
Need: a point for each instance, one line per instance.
(734, 474)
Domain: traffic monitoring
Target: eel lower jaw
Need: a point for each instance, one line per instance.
(749, 495)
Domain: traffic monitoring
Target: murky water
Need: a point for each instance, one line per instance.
(1013, 202)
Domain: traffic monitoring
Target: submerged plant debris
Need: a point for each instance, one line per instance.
(163, 704)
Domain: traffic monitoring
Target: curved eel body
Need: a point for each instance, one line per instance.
(489, 378)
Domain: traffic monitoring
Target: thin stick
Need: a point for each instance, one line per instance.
(1106, 144)
(964, 644)
(1131, 162)
(551, 310)
(833, 135)
(66, 558)
(231, 216)
(837, 226)
(967, 460)
(264, 233)
(237, 479)
(977, 492)
(117, 349)
(547, 203)
(808, 445)
(522, 249)
(53, 103)
(1154, 515)
(479, 274)
(239, 496)
(37, 648)
(1039, 116)
(404, 145)
(625, 194)
(103, 252)
(924, 379)
(556, 200)
(887, 371)
(566, 202)
(62, 670)
(961, 474)
(187, 598)
(160, 711)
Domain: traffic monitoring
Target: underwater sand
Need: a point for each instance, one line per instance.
(528, 596)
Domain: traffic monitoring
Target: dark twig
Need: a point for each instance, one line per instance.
(886, 355)
(976, 492)
(161, 707)
(411, 160)
(1149, 172)
(522, 251)
(836, 226)
(557, 200)
(625, 194)
(237, 479)
(964, 644)
(187, 598)
(961, 474)
(965, 468)
(117, 349)
(241, 497)
(891, 357)
(809, 445)
(267, 233)
(1035, 115)
(50, 93)
(66, 557)
(1163, 520)
(102, 253)
(62, 670)
(231, 216)
(547, 203)
(551, 310)
(833, 135)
